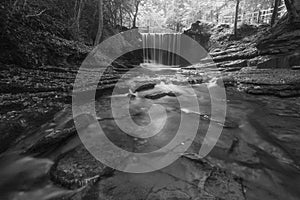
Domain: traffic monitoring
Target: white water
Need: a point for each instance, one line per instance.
(162, 48)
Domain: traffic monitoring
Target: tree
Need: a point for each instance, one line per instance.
(78, 16)
(275, 12)
(219, 9)
(100, 23)
(236, 17)
(136, 4)
(293, 7)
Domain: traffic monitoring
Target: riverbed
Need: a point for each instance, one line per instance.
(256, 156)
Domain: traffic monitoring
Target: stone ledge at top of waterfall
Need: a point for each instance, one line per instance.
(160, 67)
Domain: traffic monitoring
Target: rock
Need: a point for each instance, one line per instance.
(283, 111)
(294, 59)
(260, 59)
(231, 190)
(274, 62)
(143, 87)
(235, 64)
(285, 61)
(199, 32)
(282, 39)
(246, 54)
(284, 91)
(78, 168)
(22, 174)
(9, 132)
(278, 82)
(158, 95)
(231, 123)
(229, 50)
(16, 125)
(217, 50)
(51, 141)
(296, 68)
(202, 180)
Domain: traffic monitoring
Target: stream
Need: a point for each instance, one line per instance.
(256, 157)
(258, 144)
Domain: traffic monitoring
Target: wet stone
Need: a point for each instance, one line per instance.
(143, 87)
(184, 179)
(158, 95)
(78, 168)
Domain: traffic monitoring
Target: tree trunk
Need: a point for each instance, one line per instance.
(275, 12)
(78, 16)
(134, 20)
(121, 17)
(236, 17)
(100, 25)
(135, 15)
(293, 7)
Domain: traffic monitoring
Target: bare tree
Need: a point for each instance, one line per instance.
(100, 23)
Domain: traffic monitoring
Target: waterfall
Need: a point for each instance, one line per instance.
(154, 43)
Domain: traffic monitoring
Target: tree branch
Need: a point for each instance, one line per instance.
(36, 15)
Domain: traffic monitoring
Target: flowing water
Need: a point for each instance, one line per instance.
(154, 45)
(259, 142)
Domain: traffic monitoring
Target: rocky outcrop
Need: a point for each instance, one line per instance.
(283, 61)
(200, 32)
(276, 82)
(280, 43)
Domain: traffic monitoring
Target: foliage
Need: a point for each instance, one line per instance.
(28, 29)
(179, 14)
(38, 32)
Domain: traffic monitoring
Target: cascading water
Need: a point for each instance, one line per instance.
(153, 45)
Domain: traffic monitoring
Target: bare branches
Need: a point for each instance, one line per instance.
(37, 14)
